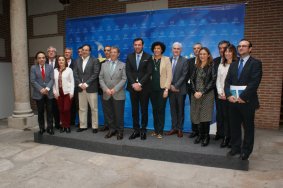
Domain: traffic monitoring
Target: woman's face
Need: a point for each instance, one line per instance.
(61, 62)
(228, 55)
(157, 50)
(203, 55)
(41, 59)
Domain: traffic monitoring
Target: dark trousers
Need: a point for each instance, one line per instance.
(55, 113)
(189, 91)
(139, 100)
(89, 119)
(219, 126)
(74, 107)
(242, 114)
(106, 124)
(177, 103)
(114, 113)
(41, 104)
(64, 104)
(223, 113)
(158, 109)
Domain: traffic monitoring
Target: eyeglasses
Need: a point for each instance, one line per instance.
(242, 46)
(106, 50)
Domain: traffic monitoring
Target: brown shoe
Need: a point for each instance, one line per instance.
(180, 134)
(171, 132)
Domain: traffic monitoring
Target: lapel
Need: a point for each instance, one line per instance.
(141, 60)
(162, 64)
(38, 71)
(244, 68)
(116, 69)
(135, 60)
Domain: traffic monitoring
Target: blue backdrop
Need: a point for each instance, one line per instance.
(208, 25)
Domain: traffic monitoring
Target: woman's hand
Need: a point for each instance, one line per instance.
(165, 93)
(198, 95)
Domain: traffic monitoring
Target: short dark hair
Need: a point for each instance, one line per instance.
(107, 46)
(250, 43)
(115, 47)
(87, 46)
(137, 39)
(39, 52)
(224, 42)
(158, 43)
(80, 47)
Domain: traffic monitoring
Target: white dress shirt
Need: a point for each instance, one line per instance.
(221, 76)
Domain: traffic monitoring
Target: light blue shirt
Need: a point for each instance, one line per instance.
(245, 60)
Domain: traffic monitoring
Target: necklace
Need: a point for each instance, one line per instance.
(156, 64)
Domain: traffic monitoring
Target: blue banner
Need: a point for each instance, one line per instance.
(207, 25)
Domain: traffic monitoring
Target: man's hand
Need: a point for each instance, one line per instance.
(241, 101)
(136, 87)
(198, 95)
(232, 99)
(108, 92)
(113, 91)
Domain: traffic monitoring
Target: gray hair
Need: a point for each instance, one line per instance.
(177, 44)
(51, 47)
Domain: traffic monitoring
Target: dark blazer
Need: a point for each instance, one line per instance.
(251, 76)
(73, 62)
(209, 82)
(142, 74)
(89, 76)
(216, 64)
(180, 74)
(56, 62)
(191, 68)
(38, 83)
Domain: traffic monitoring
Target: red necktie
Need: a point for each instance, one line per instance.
(42, 72)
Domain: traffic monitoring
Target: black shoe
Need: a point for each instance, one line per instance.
(198, 140)
(205, 141)
(94, 131)
(217, 137)
(104, 128)
(225, 142)
(110, 134)
(119, 136)
(68, 130)
(134, 135)
(193, 134)
(81, 129)
(41, 131)
(57, 126)
(143, 136)
(244, 156)
(50, 131)
(62, 130)
(232, 153)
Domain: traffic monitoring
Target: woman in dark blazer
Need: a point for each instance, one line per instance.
(160, 84)
(203, 82)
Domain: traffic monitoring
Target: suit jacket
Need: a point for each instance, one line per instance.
(251, 76)
(73, 62)
(117, 80)
(209, 81)
(192, 67)
(217, 62)
(56, 62)
(88, 76)
(142, 74)
(180, 74)
(165, 72)
(38, 83)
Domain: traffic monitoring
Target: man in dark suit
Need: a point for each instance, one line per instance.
(192, 65)
(107, 58)
(138, 70)
(177, 93)
(222, 45)
(86, 78)
(248, 73)
(68, 52)
(52, 61)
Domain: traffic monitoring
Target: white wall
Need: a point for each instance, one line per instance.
(6, 91)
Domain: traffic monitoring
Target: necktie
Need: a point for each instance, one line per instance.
(240, 68)
(174, 65)
(42, 72)
(138, 60)
(112, 67)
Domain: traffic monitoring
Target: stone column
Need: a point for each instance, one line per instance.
(23, 116)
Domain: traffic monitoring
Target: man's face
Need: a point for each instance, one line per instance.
(196, 49)
(107, 50)
(51, 53)
(68, 54)
(138, 46)
(86, 51)
(176, 50)
(41, 59)
(114, 54)
(244, 49)
(221, 48)
(80, 52)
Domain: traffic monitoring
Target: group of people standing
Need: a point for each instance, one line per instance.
(154, 78)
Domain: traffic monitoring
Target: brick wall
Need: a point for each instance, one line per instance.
(263, 26)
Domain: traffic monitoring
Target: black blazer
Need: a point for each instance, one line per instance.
(209, 82)
(251, 76)
(179, 78)
(143, 73)
(56, 63)
(73, 62)
(216, 64)
(89, 76)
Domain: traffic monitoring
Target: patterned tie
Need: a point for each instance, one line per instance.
(241, 66)
(42, 72)
(138, 60)
(112, 67)
(174, 65)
